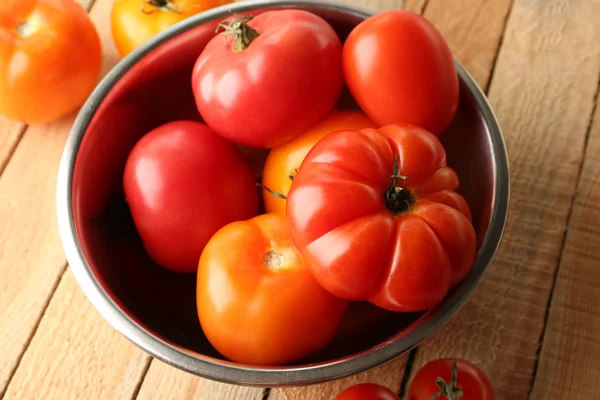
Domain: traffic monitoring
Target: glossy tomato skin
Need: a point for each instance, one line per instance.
(357, 247)
(284, 82)
(131, 26)
(283, 161)
(44, 73)
(257, 301)
(367, 391)
(183, 182)
(400, 69)
(471, 380)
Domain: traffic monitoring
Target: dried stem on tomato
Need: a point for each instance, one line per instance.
(399, 199)
(271, 191)
(449, 390)
(242, 33)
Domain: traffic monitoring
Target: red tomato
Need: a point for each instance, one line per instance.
(400, 69)
(257, 301)
(463, 380)
(183, 182)
(265, 80)
(50, 59)
(376, 216)
(367, 391)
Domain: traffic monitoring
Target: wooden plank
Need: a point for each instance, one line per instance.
(31, 255)
(569, 363)
(543, 108)
(164, 382)
(459, 40)
(415, 5)
(68, 359)
(474, 29)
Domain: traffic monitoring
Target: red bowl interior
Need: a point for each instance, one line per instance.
(156, 90)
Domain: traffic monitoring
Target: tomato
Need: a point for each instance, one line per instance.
(376, 216)
(135, 21)
(269, 78)
(184, 182)
(367, 391)
(257, 301)
(462, 380)
(283, 161)
(50, 59)
(400, 69)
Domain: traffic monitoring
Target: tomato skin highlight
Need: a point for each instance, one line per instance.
(44, 73)
(260, 96)
(184, 182)
(131, 26)
(367, 391)
(257, 301)
(283, 161)
(471, 379)
(399, 69)
(357, 247)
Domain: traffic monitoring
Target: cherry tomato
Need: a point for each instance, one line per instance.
(376, 216)
(257, 301)
(400, 69)
(283, 161)
(50, 59)
(367, 391)
(136, 21)
(183, 182)
(269, 78)
(462, 380)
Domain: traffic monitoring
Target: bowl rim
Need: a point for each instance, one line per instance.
(229, 372)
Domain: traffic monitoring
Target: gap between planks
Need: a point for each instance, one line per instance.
(567, 261)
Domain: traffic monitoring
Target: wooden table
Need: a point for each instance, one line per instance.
(532, 325)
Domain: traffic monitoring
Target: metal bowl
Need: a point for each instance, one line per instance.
(155, 308)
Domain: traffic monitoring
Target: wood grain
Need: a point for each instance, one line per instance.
(164, 382)
(473, 29)
(31, 256)
(569, 363)
(542, 93)
(68, 359)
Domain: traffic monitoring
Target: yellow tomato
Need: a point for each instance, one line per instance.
(283, 161)
(136, 21)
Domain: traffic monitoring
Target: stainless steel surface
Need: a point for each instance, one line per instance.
(155, 309)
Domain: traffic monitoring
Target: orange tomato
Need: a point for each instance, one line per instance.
(283, 161)
(50, 59)
(136, 21)
(257, 301)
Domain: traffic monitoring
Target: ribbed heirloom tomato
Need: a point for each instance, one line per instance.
(283, 161)
(376, 216)
(135, 21)
(399, 69)
(268, 78)
(50, 59)
(257, 301)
